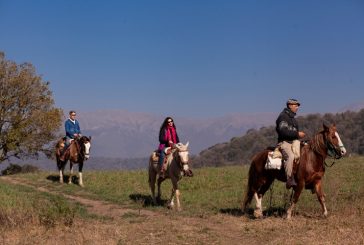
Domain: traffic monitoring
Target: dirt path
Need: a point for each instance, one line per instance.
(129, 226)
(97, 207)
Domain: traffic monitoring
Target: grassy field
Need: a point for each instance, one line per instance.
(211, 199)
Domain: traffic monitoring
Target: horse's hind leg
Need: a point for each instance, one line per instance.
(258, 212)
(321, 197)
(152, 179)
(159, 182)
(247, 200)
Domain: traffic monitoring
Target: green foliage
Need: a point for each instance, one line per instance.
(28, 119)
(240, 150)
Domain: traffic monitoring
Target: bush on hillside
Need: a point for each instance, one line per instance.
(17, 169)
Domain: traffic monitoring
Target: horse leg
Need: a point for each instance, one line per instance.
(171, 200)
(152, 179)
(321, 197)
(71, 173)
(80, 181)
(61, 171)
(176, 193)
(258, 212)
(61, 176)
(159, 182)
(296, 195)
(247, 200)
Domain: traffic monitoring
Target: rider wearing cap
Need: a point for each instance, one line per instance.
(288, 135)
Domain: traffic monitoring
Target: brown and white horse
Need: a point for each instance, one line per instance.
(309, 173)
(79, 151)
(177, 166)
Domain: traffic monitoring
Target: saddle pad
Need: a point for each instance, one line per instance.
(273, 163)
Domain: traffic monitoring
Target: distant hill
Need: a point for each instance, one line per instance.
(239, 150)
(353, 107)
(122, 134)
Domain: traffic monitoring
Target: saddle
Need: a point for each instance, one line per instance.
(275, 158)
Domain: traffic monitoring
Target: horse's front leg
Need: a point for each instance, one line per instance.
(71, 173)
(321, 197)
(171, 200)
(296, 195)
(175, 193)
(80, 181)
(258, 212)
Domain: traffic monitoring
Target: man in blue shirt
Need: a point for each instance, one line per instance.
(73, 131)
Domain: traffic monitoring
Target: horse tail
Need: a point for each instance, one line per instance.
(252, 179)
(150, 169)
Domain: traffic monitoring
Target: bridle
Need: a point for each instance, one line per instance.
(180, 161)
(332, 151)
(80, 143)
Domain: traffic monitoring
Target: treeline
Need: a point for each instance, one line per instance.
(240, 150)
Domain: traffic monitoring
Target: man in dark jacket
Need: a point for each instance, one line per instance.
(288, 135)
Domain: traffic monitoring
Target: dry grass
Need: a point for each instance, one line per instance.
(127, 224)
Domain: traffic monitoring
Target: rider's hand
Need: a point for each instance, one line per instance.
(301, 134)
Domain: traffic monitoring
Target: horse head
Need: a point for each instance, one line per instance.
(85, 146)
(335, 147)
(182, 151)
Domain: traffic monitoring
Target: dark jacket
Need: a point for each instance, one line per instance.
(287, 126)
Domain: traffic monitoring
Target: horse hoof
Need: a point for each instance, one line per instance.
(82, 185)
(258, 214)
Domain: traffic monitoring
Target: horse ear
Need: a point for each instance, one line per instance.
(187, 143)
(89, 138)
(326, 127)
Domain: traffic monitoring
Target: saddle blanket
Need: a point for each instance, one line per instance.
(273, 163)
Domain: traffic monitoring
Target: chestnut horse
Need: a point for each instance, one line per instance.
(308, 174)
(177, 165)
(79, 151)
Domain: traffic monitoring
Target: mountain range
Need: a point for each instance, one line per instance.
(123, 134)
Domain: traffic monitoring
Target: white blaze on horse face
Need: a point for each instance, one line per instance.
(87, 150)
(341, 145)
(184, 156)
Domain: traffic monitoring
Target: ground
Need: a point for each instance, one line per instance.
(122, 225)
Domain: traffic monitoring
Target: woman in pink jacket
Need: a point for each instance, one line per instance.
(167, 138)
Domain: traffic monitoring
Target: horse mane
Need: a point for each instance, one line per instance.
(317, 143)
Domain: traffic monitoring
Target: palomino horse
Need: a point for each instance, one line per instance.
(308, 174)
(78, 153)
(177, 165)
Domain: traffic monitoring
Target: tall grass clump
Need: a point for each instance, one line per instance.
(21, 206)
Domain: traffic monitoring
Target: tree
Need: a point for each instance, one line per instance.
(29, 122)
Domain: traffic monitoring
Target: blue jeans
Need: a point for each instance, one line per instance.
(162, 154)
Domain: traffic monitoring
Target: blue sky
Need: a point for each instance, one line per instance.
(191, 58)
